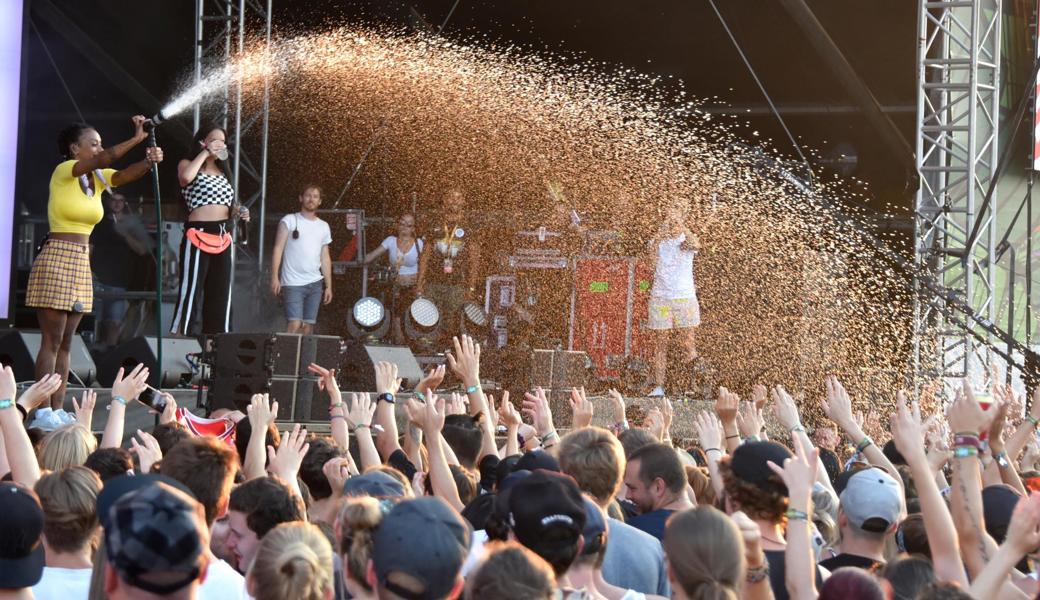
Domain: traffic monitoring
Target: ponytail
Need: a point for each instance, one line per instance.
(294, 562)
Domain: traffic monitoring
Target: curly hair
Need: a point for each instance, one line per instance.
(767, 501)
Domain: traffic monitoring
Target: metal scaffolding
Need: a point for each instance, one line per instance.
(957, 124)
(221, 29)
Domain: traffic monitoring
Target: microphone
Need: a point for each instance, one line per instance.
(155, 121)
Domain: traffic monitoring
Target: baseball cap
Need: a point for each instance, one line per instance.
(156, 538)
(546, 508)
(872, 500)
(425, 539)
(595, 522)
(117, 487)
(375, 484)
(21, 548)
(998, 504)
(750, 461)
(537, 459)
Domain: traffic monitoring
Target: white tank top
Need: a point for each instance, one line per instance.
(409, 263)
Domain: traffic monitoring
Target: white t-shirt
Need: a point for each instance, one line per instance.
(301, 261)
(673, 278)
(63, 584)
(222, 581)
(410, 261)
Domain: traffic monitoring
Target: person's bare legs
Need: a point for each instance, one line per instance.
(61, 360)
(295, 327)
(52, 329)
(661, 339)
(688, 339)
(307, 328)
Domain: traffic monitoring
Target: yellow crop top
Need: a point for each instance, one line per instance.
(69, 208)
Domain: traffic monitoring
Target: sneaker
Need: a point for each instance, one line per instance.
(657, 392)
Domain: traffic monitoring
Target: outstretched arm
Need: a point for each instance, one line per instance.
(123, 390)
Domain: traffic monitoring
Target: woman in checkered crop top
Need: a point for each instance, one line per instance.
(207, 251)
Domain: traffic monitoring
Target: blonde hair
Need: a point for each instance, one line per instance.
(357, 522)
(69, 500)
(705, 554)
(595, 459)
(67, 446)
(293, 562)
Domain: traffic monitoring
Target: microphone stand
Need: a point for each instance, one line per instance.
(158, 268)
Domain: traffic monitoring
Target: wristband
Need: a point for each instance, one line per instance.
(552, 434)
(619, 427)
(360, 426)
(794, 514)
(386, 397)
(6, 403)
(1033, 420)
(758, 574)
(751, 438)
(863, 444)
(734, 436)
(119, 399)
(336, 405)
(707, 450)
(334, 417)
(965, 451)
(420, 395)
(969, 440)
(21, 409)
(473, 389)
(798, 427)
(1001, 458)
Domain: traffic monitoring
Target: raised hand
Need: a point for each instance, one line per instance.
(39, 392)
(759, 395)
(8, 385)
(785, 409)
(507, 413)
(965, 414)
(457, 405)
(361, 410)
(837, 405)
(798, 473)
(387, 381)
(709, 431)
(130, 387)
(261, 412)
(337, 472)
(582, 408)
(169, 412)
(286, 460)
(752, 537)
(1023, 534)
(327, 381)
(749, 420)
(432, 380)
(617, 401)
(428, 416)
(907, 430)
(726, 407)
(85, 409)
(667, 414)
(536, 408)
(654, 423)
(465, 360)
(147, 451)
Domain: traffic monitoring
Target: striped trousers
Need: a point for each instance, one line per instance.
(205, 290)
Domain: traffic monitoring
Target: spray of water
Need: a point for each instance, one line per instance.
(788, 292)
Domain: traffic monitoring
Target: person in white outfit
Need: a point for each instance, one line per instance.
(674, 310)
(403, 251)
(301, 267)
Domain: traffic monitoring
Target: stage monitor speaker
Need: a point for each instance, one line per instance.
(358, 372)
(176, 369)
(299, 398)
(18, 350)
(274, 354)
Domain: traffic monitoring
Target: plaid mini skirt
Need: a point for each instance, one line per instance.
(60, 278)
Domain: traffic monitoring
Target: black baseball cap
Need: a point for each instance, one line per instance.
(545, 503)
(750, 461)
(21, 547)
(117, 487)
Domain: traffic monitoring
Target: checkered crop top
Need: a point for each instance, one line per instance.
(208, 189)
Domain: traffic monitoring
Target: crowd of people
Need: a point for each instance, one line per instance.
(447, 495)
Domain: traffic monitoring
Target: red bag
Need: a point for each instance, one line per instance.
(210, 243)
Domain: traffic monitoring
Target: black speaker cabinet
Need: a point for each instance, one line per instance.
(176, 368)
(358, 370)
(276, 354)
(18, 350)
(299, 398)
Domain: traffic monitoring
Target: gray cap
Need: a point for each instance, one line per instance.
(873, 501)
(375, 484)
(425, 539)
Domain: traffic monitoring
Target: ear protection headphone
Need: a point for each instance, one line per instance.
(296, 227)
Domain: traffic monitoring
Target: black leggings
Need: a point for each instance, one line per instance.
(206, 281)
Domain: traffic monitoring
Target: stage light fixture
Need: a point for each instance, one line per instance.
(368, 319)
(474, 321)
(422, 321)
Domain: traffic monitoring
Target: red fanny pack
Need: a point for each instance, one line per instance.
(210, 243)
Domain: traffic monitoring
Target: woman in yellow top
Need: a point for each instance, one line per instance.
(60, 287)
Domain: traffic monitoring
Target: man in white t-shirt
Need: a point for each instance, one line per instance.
(301, 267)
(673, 295)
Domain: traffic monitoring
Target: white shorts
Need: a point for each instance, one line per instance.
(674, 313)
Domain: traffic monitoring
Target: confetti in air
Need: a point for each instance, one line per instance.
(788, 291)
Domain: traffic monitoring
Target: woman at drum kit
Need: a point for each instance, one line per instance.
(403, 250)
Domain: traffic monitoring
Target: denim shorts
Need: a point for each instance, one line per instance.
(111, 309)
(302, 301)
